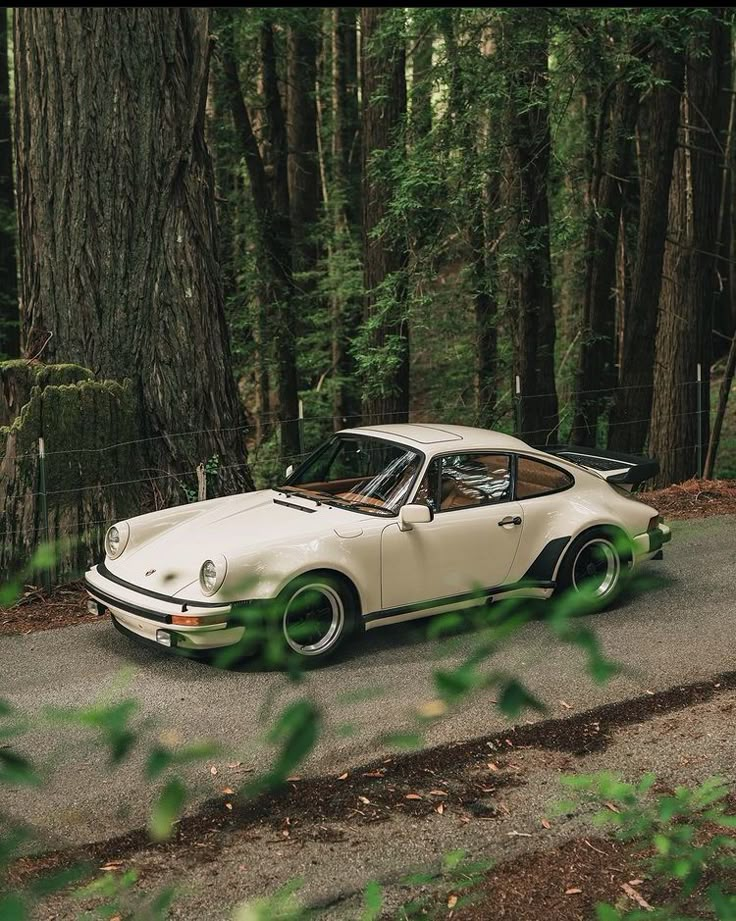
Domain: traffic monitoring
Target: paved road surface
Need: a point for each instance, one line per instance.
(681, 631)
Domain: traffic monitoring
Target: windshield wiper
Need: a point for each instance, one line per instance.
(358, 503)
(291, 491)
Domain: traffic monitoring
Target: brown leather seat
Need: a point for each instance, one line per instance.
(456, 494)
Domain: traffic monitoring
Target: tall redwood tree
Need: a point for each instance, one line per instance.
(9, 327)
(119, 262)
(383, 78)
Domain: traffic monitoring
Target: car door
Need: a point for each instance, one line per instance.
(471, 542)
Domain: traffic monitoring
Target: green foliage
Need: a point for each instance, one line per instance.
(689, 832)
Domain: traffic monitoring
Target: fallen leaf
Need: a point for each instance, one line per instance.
(566, 705)
(343, 776)
(113, 865)
(546, 823)
(286, 833)
(636, 896)
(440, 808)
(229, 806)
(492, 766)
(213, 770)
(412, 796)
(573, 891)
(373, 774)
(452, 901)
(293, 779)
(612, 807)
(364, 800)
(438, 792)
(235, 764)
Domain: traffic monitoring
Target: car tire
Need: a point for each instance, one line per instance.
(595, 567)
(318, 614)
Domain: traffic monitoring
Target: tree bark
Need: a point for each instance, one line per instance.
(684, 334)
(119, 261)
(284, 330)
(345, 208)
(482, 268)
(9, 319)
(271, 206)
(303, 165)
(383, 62)
(597, 369)
(633, 399)
(526, 211)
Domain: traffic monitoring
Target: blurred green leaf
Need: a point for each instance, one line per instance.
(167, 809)
(372, 901)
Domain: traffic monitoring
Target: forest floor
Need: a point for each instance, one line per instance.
(67, 604)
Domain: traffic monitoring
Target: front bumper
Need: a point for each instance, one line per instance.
(151, 618)
(649, 544)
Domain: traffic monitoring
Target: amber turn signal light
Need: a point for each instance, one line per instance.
(194, 620)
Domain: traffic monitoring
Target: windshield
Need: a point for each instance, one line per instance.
(355, 471)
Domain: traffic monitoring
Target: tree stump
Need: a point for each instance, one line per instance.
(92, 464)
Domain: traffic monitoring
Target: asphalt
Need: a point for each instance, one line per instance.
(679, 631)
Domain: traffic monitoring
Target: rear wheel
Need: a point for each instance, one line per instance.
(595, 566)
(319, 613)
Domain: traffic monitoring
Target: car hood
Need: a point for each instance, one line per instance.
(168, 548)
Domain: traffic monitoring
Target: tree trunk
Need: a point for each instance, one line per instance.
(345, 206)
(529, 269)
(383, 60)
(482, 269)
(633, 401)
(684, 337)
(119, 261)
(597, 369)
(271, 206)
(9, 321)
(285, 296)
(303, 164)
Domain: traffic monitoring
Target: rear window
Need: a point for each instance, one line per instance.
(535, 478)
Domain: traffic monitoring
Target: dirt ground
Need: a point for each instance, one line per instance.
(694, 499)
(37, 610)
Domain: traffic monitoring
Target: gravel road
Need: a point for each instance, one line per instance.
(678, 632)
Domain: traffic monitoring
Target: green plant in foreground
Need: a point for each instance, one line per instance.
(687, 833)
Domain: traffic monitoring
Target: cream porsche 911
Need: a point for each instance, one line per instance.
(381, 524)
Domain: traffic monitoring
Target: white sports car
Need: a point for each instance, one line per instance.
(380, 524)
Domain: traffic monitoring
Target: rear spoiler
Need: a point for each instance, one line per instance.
(626, 470)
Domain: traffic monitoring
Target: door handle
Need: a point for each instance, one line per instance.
(509, 520)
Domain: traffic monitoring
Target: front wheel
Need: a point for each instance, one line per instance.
(318, 615)
(594, 568)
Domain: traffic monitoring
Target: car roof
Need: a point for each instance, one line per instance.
(437, 437)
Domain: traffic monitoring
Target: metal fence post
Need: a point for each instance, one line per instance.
(301, 426)
(517, 405)
(699, 417)
(46, 572)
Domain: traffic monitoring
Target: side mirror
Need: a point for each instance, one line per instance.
(289, 470)
(409, 515)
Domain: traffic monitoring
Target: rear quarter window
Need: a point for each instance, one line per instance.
(536, 478)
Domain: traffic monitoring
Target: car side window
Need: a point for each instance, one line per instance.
(535, 478)
(468, 480)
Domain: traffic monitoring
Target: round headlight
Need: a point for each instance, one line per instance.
(116, 539)
(212, 575)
